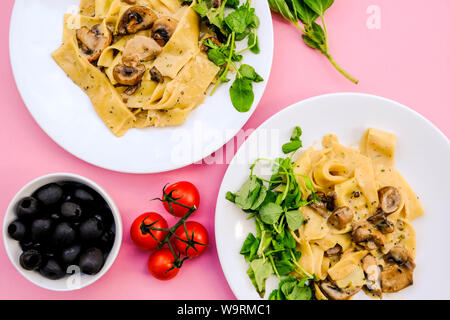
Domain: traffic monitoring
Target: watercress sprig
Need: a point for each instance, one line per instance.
(233, 23)
(275, 204)
(313, 34)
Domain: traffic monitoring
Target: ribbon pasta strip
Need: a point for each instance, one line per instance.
(356, 180)
(185, 72)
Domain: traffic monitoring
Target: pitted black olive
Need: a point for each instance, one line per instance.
(41, 229)
(70, 255)
(49, 194)
(106, 241)
(91, 261)
(17, 230)
(64, 235)
(30, 260)
(52, 270)
(28, 208)
(91, 229)
(83, 196)
(71, 211)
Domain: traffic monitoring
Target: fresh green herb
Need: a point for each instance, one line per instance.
(313, 34)
(232, 22)
(275, 205)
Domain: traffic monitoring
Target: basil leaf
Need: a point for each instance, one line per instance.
(291, 146)
(281, 7)
(242, 96)
(270, 213)
(310, 42)
(319, 6)
(294, 219)
(259, 271)
(304, 13)
(249, 72)
(316, 33)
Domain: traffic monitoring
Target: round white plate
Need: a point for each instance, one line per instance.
(66, 114)
(422, 156)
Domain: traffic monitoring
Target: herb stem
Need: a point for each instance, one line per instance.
(340, 69)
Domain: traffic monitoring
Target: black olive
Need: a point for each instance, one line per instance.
(28, 208)
(41, 229)
(83, 196)
(26, 244)
(91, 261)
(106, 241)
(49, 194)
(17, 230)
(91, 229)
(52, 270)
(71, 210)
(70, 255)
(64, 235)
(30, 260)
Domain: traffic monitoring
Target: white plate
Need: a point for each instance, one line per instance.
(66, 114)
(422, 156)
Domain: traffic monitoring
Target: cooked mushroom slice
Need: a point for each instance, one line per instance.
(395, 278)
(370, 267)
(390, 199)
(381, 222)
(335, 293)
(366, 235)
(155, 75)
(135, 19)
(130, 1)
(341, 217)
(320, 205)
(141, 48)
(400, 256)
(333, 251)
(129, 74)
(163, 29)
(93, 41)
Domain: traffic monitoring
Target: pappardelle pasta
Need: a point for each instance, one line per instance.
(334, 222)
(362, 220)
(139, 61)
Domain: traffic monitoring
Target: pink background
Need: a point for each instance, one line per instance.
(407, 60)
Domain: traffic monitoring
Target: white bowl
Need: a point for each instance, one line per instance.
(70, 282)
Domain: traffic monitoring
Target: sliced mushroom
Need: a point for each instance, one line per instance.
(370, 267)
(320, 205)
(129, 74)
(163, 29)
(390, 199)
(93, 41)
(381, 222)
(395, 278)
(135, 19)
(400, 256)
(333, 251)
(141, 48)
(335, 293)
(366, 235)
(341, 217)
(130, 1)
(155, 75)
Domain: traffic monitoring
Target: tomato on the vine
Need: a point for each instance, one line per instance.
(141, 234)
(198, 239)
(183, 192)
(161, 264)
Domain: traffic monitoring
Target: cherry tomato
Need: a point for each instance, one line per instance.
(188, 195)
(142, 238)
(160, 262)
(197, 233)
